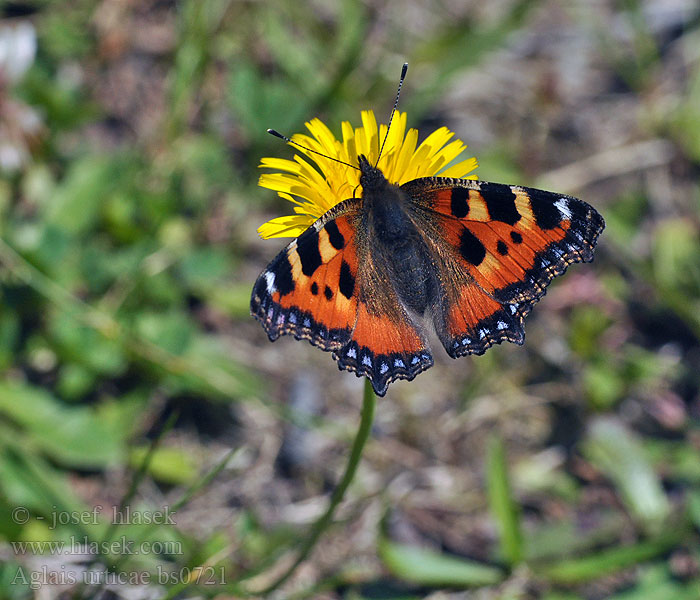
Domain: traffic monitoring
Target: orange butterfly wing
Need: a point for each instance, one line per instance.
(386, 343)
(327, 288)
(497, 248)
(308, 290)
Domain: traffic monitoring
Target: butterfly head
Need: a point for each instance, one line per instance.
(370, 177)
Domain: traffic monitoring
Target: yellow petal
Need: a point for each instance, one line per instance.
(461, 169)
(371, 135)
(289, 226)
(281, 164)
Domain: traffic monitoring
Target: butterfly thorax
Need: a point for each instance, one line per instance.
(401, 251)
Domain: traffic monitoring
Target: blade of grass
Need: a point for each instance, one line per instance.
(614, 450)
(503, 507)
(591, 567)
(425, 567)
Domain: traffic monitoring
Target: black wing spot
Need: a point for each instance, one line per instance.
(260, 289)
(309, 254)
(502, 248)
(334, 236)
(580, 212)
(500, 202)
(471, 248)
(282, 269)
(346, 284)
(458, 202)
(328, 293)
(516, 237)
(547, 216)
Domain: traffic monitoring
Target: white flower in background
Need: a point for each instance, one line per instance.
(17, 50)
(20, 125)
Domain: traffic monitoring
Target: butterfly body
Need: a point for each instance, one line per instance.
(467, 259)
(399, 250)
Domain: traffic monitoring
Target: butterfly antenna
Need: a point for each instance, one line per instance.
(286, 139)
(393, 110)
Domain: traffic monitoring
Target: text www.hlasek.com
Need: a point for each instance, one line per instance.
(83, 546)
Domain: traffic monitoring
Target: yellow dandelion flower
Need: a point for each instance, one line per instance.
(315, 189)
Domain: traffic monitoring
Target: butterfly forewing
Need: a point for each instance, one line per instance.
(498, 247)
(308, 290)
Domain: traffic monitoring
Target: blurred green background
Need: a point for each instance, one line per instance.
(132, 374)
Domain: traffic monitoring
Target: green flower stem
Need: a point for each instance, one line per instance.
(368, 403)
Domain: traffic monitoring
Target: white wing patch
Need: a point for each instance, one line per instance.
(563, 205)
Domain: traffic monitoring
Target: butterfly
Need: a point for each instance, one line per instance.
(465, 258)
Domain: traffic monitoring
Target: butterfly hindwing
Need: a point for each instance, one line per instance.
(499, 247)
(470, 321)
(386, 344)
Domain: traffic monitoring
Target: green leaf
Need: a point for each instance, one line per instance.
(74, 381)
(77, 200)
(233, 299)
(425, 567)
(203, 267)
(29, 481)
(686, 120)
(172, 331)
(676, 459)
(503, 507)
(565, 538)
(603, 384)
(694, 507)
(15, 581)
(10, 525)
(85, 345)
(658, 584)
(207, 366)
(168, 465)
(615, 451)
(606, 562)
(675, 255)
(625, 217)
(585, 330)
(203, 163)
(74, 436)
(9, 336)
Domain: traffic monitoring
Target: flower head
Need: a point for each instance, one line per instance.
(315, 189)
